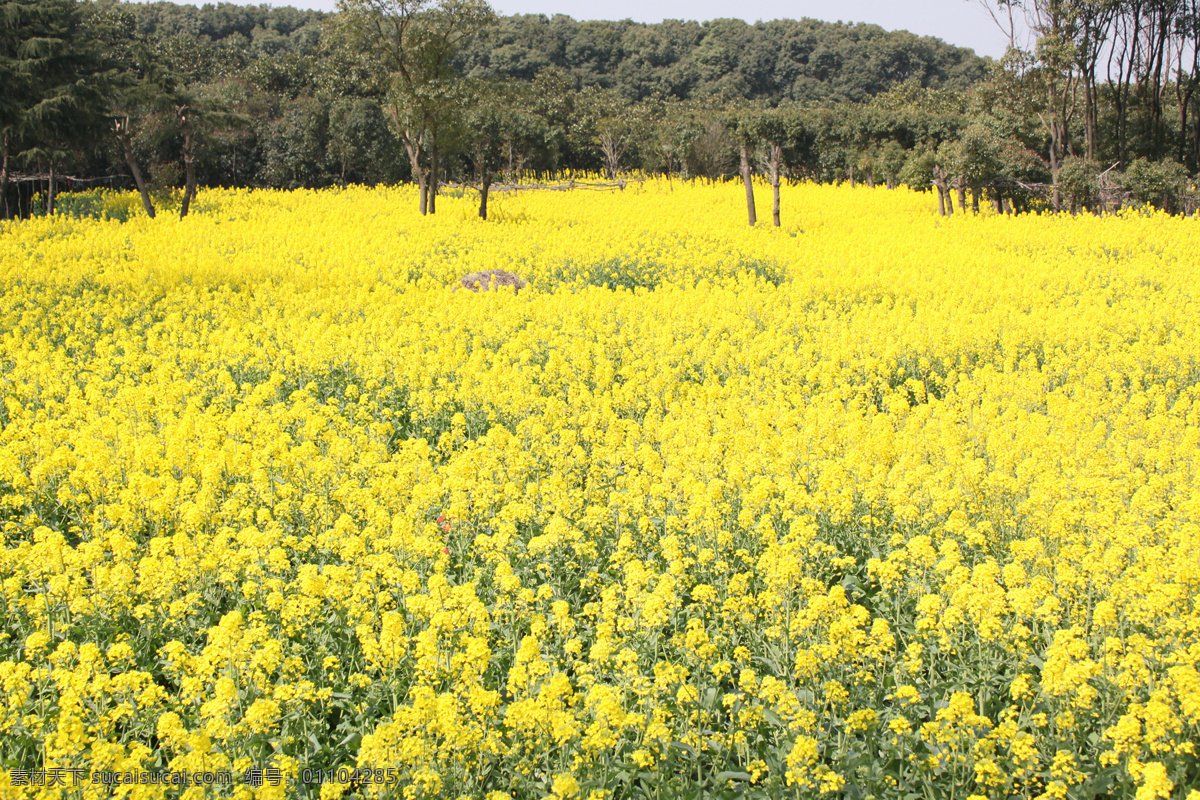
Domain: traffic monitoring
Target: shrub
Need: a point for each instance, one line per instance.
(1161, 184)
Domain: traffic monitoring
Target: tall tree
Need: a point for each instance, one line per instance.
(773, 129)
(1093, 28)
(57, 95)
(616, 127)
(15, 26)
(747, 138)
(496, 128)
(198, 116)
(1187, 80)
(1049, 70)
(413, 44)
(135, 85)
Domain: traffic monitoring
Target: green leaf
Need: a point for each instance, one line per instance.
(734, 776)
(685, 748)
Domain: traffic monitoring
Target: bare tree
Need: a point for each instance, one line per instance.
(613, 145)
(1054, 24)
(1092, 33)
(1187, 80)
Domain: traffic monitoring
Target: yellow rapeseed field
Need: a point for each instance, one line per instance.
(873, 505)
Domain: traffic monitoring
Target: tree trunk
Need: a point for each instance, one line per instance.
(610, 147)
(1055, 128)
(749, 186)
(189, 168)
(1183, 100)
(433, 176)
(414, 148)
(775, 191)
(511, 162)
(1090, 113)
(127, 149)
(1120, 104)
(1157, 84)
(484, 186)
(1196, 139)
(962, 194)
(4, 176)
(50, 190)
(776, 164)
(1056, 199)
(1125, 81)
(945, 200)
(1184, 90)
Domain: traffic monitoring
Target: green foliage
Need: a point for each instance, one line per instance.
(54, 82)
(1079, 181)
(723, 60)
(917, 172)
(98, 204)
(498, 133)
(1164, 185)
(278, 97)
(361, 148)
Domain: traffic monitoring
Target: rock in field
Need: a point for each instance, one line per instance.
(489, 279)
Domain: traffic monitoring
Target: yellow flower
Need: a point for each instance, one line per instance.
(258, 477)
(565, 785)
(1154, 782)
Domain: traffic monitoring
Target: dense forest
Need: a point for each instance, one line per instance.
(1102, 112)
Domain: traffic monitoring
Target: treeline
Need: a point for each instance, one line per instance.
(1103, 112)
(725, 60)
(299, 108)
